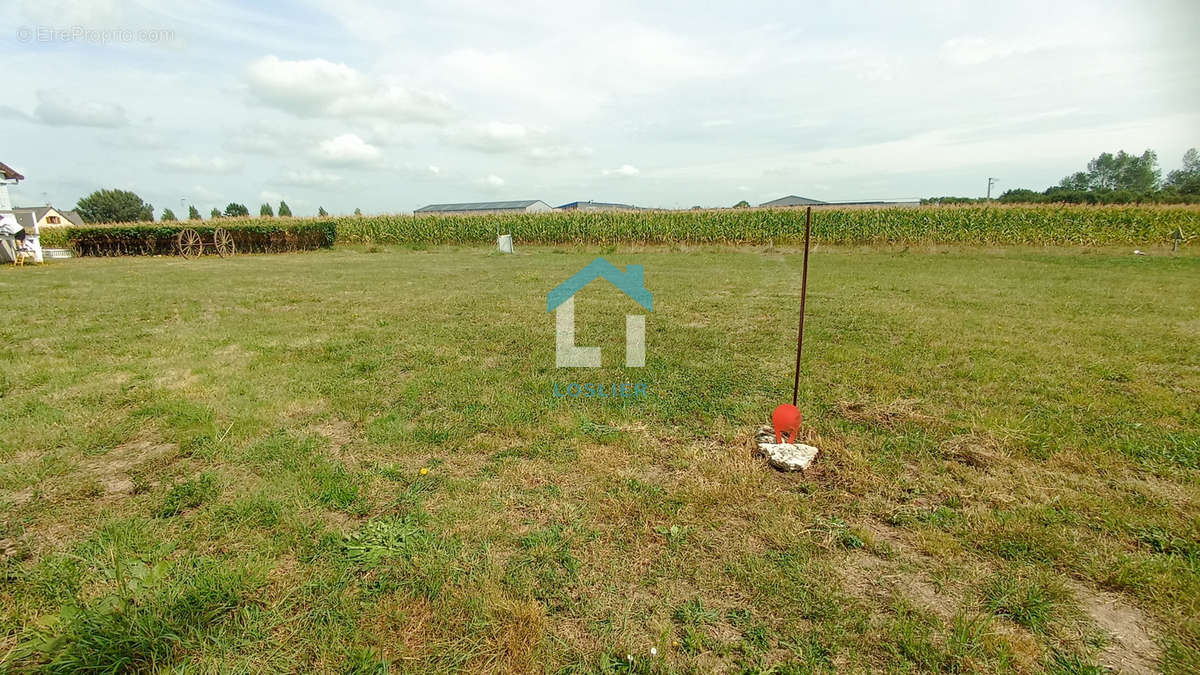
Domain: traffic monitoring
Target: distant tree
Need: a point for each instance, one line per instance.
(216, 213)
(113, 206)
(1067, 195)
(358, 212)
(193, 213)
(1191, 161)
(1186, 180)
(265, 211)
(233, 210)
(1121, 171)
(1125, 172)
(952, 200)
(1079, 180)
(1021, 196)
(167, 214)
(321, 211)
(284, 211)
(1118, 179)
(742, 205)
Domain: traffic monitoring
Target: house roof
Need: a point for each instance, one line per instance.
(479, 206)
(8, 173)
(37, 211)
(25, 219)
(599, 205)
(792, 200)
(631, 282)
(40, 212)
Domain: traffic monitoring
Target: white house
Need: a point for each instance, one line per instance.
(13, 222)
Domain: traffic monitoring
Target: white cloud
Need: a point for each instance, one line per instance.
(90, 13)
(196, 164)
(559, 152)
(535, 143)
(572, 72)
(309, 177)
(493, 181)
(347, 149)
(623, 171)
(973, 50)
(201, 193)
(495, 136)
(270, 197)
(320, 88)
(263, 138)
(61, 109)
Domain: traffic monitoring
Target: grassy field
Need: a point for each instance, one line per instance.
(339, 460)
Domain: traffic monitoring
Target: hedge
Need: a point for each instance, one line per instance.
(159, 238)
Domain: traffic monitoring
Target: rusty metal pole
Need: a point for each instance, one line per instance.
(803, 296)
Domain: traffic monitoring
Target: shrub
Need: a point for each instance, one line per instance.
(250, 236)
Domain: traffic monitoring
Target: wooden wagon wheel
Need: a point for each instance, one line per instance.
(189, 244)
(224, 242)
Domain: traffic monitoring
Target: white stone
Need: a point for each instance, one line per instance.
(784, 456)
(788, 456)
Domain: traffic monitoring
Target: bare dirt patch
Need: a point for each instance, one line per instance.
(19, 497)
(117, 469)
(1132, 649)
(338, 432)
(870, 578)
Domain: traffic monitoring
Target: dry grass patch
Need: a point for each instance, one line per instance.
(887, 415)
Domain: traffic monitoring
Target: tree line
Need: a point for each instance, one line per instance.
(1120, 178)
(123, 206)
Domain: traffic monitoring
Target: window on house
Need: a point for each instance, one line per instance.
(53, 220)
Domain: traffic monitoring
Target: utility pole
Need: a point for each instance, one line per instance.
(991, 181)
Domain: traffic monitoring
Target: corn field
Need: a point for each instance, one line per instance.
(1034, 225)
(1050, 224)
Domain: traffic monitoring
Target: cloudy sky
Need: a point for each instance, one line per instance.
(388, 106)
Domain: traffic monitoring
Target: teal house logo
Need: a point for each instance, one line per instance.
(561, 301)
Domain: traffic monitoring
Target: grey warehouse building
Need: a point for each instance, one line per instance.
(519, 206)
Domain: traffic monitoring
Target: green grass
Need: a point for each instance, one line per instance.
(1032, 603)
(352, 461)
